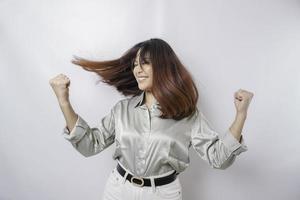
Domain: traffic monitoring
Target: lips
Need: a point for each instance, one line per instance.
(141, 78)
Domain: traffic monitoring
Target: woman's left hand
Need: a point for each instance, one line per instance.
(242, 99)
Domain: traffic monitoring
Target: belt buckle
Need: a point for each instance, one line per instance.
(141, 179)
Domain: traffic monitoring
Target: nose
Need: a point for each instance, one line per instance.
(139, 68)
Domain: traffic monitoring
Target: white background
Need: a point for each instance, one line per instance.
(226, 45)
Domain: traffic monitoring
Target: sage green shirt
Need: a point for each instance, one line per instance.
(149, 146)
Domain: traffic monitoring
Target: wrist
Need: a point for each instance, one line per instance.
(63, 102)
(241, 115)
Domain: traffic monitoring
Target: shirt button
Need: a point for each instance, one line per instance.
(139, 170)
(141, 152)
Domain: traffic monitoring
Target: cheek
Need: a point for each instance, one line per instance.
(150, 73)
(151, 80)
(150, 77)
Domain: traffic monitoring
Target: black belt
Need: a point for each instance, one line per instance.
(139, 181)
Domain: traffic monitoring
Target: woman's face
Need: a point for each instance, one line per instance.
(143, 75)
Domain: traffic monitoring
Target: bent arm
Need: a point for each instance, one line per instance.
(90, 141)
(218, 150)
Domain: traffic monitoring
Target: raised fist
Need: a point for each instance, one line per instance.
(60, 84)
(242, 99)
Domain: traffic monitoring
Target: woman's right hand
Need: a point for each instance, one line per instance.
(60, 84)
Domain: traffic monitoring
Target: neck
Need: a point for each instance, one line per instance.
(149, 98)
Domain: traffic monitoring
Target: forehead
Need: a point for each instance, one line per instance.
(145, 56)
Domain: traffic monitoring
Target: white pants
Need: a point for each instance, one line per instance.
(118, 188)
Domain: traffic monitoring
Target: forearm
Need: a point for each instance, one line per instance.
(237, 125)
(69, 114)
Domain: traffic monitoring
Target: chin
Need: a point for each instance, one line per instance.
(143, 88)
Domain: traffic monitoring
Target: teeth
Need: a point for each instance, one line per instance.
(141, 78)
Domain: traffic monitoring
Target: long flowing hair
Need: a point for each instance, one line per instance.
(173, 86)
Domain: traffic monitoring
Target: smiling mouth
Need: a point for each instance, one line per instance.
(141, 78)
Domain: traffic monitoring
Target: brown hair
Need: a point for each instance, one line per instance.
(173, 86)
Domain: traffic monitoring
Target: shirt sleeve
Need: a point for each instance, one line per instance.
(218, 150)
(90, 141)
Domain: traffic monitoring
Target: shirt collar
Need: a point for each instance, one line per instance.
(140, 98)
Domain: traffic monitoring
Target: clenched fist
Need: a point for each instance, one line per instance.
(242, 99)
(60, 84)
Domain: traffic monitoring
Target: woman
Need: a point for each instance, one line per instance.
(154, 128)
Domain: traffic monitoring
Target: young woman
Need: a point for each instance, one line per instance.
(154, 127)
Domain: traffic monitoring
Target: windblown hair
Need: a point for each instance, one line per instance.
(173, 86)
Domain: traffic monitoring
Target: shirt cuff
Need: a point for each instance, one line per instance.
(233, 144)
(77, 132)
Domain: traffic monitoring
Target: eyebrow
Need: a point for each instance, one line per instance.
(146, 58)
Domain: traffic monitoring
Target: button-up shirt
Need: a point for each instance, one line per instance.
(147, 145)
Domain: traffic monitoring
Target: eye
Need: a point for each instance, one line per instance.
(145, 62)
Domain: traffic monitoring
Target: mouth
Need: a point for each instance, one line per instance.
(141, 78)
